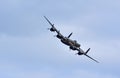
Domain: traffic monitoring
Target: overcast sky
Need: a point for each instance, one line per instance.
(29, 50)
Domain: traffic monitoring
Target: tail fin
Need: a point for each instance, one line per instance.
(87, 51)
(70, 35)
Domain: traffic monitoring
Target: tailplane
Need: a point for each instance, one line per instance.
(87, 51)
(70, 35)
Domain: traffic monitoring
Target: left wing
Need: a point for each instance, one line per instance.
(53, 28)
(49, 22)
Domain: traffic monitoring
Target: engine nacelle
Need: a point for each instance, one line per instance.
(73, 48)
(52, 29)
(76, 44)
(79, 53)
(59, 36)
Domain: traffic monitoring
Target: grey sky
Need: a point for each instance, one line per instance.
(28, 50)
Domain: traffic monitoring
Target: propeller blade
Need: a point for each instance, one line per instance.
(91, 58)
(48, 28)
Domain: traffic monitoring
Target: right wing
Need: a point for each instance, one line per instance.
(81, 52)
(91, 58)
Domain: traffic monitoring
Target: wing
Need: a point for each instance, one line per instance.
(91, 58)
(49, 21)
(53, 27)
(81, 52)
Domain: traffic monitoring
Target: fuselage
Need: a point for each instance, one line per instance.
(70, 42)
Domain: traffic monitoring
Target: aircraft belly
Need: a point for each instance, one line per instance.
(77, 45)
(65, 42)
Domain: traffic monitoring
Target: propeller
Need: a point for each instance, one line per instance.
(48, 28)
